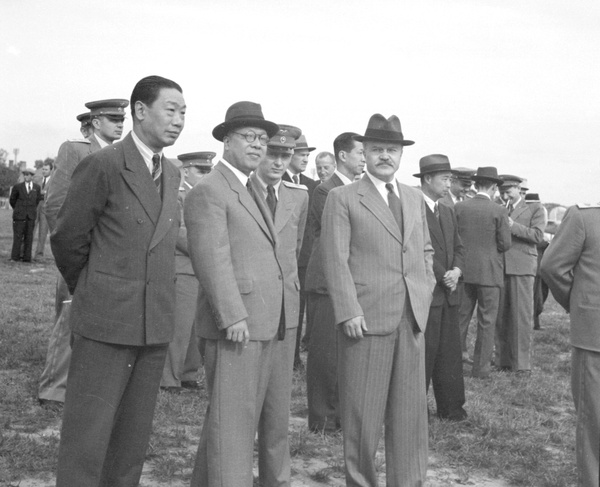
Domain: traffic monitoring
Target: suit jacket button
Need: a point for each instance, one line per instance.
(140, 220)
(280, 277)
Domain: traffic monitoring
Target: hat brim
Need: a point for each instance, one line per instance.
(362, 138)
(309, 149)
(493, 180)
(221, 130)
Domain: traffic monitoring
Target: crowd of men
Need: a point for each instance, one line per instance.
(170, 266)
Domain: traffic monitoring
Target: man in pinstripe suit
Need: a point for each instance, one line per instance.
(378, 263)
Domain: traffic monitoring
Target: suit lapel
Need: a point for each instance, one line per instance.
(285, 207)
(435, 228)
(139, 179)
(408, 209)
(250, 204)
(520, 208)
(373, 201)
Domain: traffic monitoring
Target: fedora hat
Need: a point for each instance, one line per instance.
(381, 130)
(433, 163)
(244, 114)
(302, 144)
(487, 173)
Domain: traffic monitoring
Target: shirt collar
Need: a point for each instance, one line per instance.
(101, 142)
(263, 186)
(380, 186)
(238, 174)
(145, 151)
(344, 179)
(485, 194)
(429, 202)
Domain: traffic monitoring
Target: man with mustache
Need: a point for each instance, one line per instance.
(377, 256)
(105, 122)
(248, 308)
(114, 244)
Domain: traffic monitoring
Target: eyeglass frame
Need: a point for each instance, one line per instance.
(263, 139)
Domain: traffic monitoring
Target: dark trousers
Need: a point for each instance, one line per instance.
(443, 360)
(22, 239)
(108, 413)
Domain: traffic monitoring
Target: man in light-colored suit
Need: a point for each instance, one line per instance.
(248, 308)
(183, 361)
(321, 363)
(106, 126)
(515, 316)
(377, 256)
(114, 244)
(40, 222)
(443, 364)
(483, 228)
(571, 268)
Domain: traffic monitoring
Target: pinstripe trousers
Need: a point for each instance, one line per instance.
(381, 381)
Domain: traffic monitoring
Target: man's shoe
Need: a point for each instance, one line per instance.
(456, 416)
(193, 385)
(466, 359)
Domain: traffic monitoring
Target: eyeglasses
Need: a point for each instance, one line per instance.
(251, 137)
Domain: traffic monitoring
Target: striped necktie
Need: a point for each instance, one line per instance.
(395, 206)
(436, 210)
(156, 171)
(296, 179)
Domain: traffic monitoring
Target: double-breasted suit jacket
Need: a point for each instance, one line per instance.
(114, 243)
(24, 204)
(70, 153)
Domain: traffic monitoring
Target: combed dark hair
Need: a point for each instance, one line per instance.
(484, 184)
(147, 90)
(343, 142)
(48, 163)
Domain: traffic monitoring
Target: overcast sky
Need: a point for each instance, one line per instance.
(508, 83)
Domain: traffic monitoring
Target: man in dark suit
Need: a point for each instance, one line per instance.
(294, 175)
(321, 364)
(515, 317)
(483, 228)
(24, 199)
(106, 125)
(114, 244)
(443, 364)
(459, 185)
(571, 268)
(247, 311)
(183, 362)
(377, 256)
(41, 222)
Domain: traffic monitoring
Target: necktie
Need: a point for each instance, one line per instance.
(249, 188)
(156, 171)
(395, 205)
(28, 187)
(510, 208)
(271, 200)
(296, 179)
(44, 184)
(436, 211)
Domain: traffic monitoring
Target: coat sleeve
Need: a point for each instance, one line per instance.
(503, 237)
(459, 248)
(335, 247)
(302, 224)
(182, 241)
(534, 232)
(562, 255)
(428, 249)
(14, 196)
(205, 216)
(85, 200)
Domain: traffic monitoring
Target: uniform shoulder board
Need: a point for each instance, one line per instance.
(583, 206)
(82, 141)
(294, 185)
(181, 188)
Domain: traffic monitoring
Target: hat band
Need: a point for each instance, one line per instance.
(441, 166)
(383, 134)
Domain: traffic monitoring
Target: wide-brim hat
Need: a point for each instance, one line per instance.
(381, 129)
(464, 174)
(532, 198)
(28, 170)
(244, 114)
(112, 107)
(433, 163)
(203, 160)
(487, 173)
(302, 144)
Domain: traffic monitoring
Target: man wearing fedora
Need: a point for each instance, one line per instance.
(183, 362)
(243, 309)
(484, 230)
(443, 365)
(105, 120)
(460, 183)
(515, 316)
(24, 199)
(377, 257)
(321, 363)
(114, 244)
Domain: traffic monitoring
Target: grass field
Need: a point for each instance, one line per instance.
(520, 431)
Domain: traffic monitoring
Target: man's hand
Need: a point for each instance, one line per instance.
(238, 332)
(355, 327)
(450, 279)
(510, 222)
